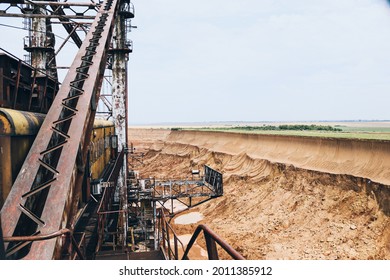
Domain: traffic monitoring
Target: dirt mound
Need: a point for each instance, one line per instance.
(287, 197)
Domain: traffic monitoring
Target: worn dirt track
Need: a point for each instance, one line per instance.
(285, 197)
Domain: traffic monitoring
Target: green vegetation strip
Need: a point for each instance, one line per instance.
(369, 133)
(299, 127)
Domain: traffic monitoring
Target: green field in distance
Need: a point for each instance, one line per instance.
(355, 130)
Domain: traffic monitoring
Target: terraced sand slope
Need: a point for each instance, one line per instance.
(286, 197)
(360, 158)
(143, 138)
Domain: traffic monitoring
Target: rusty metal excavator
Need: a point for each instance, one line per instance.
(55, 209)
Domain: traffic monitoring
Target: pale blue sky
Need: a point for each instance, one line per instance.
(254, 60)
(260, 60)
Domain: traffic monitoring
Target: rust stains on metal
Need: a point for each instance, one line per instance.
(56, 204)
(19, 123)
(212, 239)
(119, 109)
(36, 237)
(38, 41)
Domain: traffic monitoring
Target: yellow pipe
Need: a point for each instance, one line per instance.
(19, 123)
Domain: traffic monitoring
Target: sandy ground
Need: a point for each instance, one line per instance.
(277, 209)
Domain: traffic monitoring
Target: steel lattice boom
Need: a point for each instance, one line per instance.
(45, 194)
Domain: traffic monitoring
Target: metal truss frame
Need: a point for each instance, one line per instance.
(45, 194)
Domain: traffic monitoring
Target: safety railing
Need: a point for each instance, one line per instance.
(74, 249)
(79, 237)
(105, 206)
(169, 242)
(212, 239)
(166, 233)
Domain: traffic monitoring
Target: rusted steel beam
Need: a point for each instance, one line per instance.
(58, 203)
(62, 4)
(46, 16)
(2, 250)
(17, 84)
(77, 248)
(69, 27)
(46, 237)
(111, 212)
(56, 3)
(11, 1)
(32, 89)
(36, 237)
(51, 61)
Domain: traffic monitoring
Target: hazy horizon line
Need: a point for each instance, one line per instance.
(248, 122)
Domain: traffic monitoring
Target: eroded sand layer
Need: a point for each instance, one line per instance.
(361, 158)
(286, 197)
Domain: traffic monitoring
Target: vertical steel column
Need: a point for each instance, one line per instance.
(154, 224)
(50, 53)
(40, 44)
(120, 52)
(38, 41)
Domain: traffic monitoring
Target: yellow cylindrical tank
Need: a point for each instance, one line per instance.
(17, 133)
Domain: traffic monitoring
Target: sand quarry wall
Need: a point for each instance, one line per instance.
(361, 158)
(148, 134)
(284, 197)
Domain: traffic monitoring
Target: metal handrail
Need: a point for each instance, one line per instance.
(80, 245)
(52, 235)
(28, 64)
(164, 228)
(211, 239)
(104, 208)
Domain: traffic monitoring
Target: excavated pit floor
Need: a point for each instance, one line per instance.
(274, 210)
